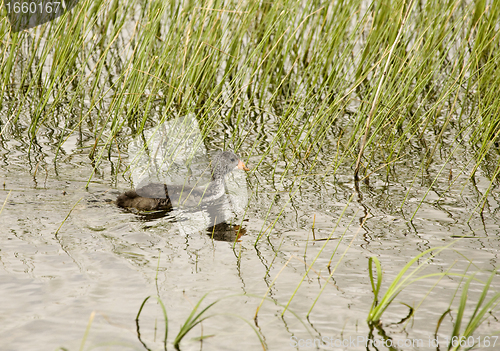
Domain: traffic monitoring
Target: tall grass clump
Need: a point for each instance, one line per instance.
(461, 338)
(197, 316)
(406, 276)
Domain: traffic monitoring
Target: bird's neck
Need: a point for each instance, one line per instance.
(215, 189)
(217, 181)
(216, 177)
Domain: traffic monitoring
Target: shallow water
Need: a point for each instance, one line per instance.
(71, 259)
(56, 272)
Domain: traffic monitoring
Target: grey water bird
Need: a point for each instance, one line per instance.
(157, 196)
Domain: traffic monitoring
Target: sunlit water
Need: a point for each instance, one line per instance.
(67, 252)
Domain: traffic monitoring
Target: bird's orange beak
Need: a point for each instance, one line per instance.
(242, 166)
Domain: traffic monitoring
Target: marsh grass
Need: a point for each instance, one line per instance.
(383, 84)
(85, 335)
(409, 275)
(484, 307)
(405, 70)
(197, 316)
(380, 83)
(6, 198)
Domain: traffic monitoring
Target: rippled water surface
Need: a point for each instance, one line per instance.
(289, 86)
(70, 256)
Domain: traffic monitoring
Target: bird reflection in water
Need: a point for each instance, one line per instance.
(219, 227)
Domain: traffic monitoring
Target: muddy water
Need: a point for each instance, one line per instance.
(69, 256)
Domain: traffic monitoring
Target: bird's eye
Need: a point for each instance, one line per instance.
(233, 159)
